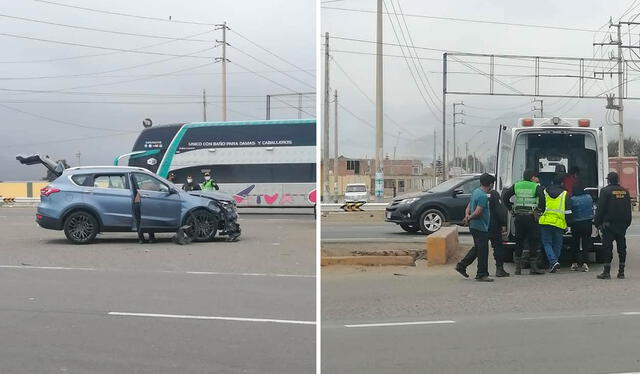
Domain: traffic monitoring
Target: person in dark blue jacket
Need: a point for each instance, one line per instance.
(581, 227)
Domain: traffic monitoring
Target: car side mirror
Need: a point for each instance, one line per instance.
(457, 191)
(172, 191)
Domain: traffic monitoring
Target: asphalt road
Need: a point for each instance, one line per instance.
(120, 307)
(432, 320)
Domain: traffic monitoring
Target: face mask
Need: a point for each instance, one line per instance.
(189, 180)
(207, 178)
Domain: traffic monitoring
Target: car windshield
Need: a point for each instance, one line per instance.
(356, 189)
(446, 186)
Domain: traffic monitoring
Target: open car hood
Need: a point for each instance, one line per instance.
(215, 195)
(56, 168)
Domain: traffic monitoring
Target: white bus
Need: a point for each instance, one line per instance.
(268, 163)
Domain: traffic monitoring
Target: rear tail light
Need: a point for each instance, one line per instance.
(584, 122)
(46, 191)
(39, 216)
(527, 122)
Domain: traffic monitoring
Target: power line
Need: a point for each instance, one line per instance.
(140, 75)
(414, 49)
(57, 120)
(100, 54)
(97, 73)
(265, 78)
(101, 30)
(272, 67)
(367, 96)
(49, 142)
(471, 20)
(121, 94)
(271, 53)
(96, 46)
(170, 19)
(411, 71)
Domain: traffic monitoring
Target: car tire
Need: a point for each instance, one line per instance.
(203, 225)
(409, 228)
(81, 227)
(431, 221)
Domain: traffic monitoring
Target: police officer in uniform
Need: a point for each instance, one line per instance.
(209, 184)
(527, 205)
(191, 185)
(613, 217)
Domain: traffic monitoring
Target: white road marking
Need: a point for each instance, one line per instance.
(564, 317)
(629, 372)
(402, 323)
(45, 267)
(237, 319)
(164, 271)
(251, 274)
(631, 314)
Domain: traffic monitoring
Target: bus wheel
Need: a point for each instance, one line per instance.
(203, 225)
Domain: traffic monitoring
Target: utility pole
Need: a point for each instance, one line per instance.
(444, 117)
(335, 147)
(455, 145)
(325, 121)
(619, 59)
(299, 105)
(204, 105)
(535, 108)
(224, 60)
(379, 165)
(466, 157)
(78, 154)
(435, 155)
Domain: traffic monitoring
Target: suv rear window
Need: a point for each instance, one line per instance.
(110, 181)
(83, 180)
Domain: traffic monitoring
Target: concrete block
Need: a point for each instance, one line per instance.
(441, 245)
(369, 260)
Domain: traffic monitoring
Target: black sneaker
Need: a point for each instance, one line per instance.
(555, 267)
(484, 279)
(462, 270)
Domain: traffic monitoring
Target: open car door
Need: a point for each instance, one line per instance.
(504, 158)
(55, 168)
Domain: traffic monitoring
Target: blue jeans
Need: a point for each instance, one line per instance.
(552, 242)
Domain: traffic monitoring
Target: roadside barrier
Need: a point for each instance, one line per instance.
(352, 207)
(331, 207)
(441, 245)
(14, 201)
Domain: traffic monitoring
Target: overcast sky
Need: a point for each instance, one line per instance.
(167, 87)
(403, 102)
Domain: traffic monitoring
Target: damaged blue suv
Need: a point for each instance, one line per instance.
(84, 201)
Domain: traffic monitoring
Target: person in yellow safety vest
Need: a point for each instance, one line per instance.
(553, 222)
(527, 205)
(209, 184)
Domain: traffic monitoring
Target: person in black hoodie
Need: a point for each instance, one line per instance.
(613, 217)
(498, 219)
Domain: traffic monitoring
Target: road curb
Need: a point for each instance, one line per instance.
(369, 260)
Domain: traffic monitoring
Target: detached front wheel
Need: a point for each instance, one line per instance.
(81, 227)
(431, 221)
(203, 225)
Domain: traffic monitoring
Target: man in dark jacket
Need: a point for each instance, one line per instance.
(613, 217)
(498, 219)
(191, 185)
(528, 204)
